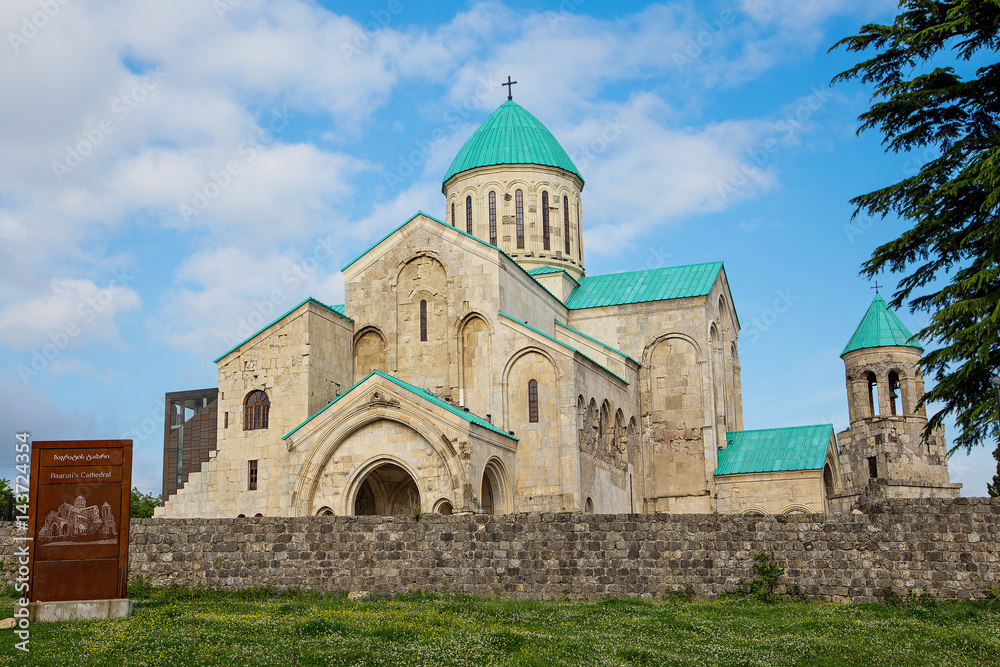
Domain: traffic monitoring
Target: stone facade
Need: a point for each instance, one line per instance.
(562, 191)
(462, 375)
(884, 453)
(951, 548)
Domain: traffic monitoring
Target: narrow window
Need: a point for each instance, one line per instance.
(872, 394)
(493, 218)
(873, 466)
(423, 320)
(255, 411)
(566, 223)
(226, 417)
(453, 214)
(519, 211)
(545, 220)
(468, 214)
(252, 478)
(894, 401)
(532, 401)
(579, 235)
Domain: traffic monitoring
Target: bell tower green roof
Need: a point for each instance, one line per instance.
(511, 135)
(880, 328)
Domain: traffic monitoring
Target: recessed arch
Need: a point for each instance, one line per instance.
(444, 507)
(588, 507)
(531, 349)
(423, 321)
(370, 352)
(829, 484)
(475, 344)
(648, 350)
(494, 494)
(796, 509)
(674, 392)
(718, 382)
(605, 430)
(325, 511)
(755, 510)
(332, 434)
(620, 435)
(385, 486)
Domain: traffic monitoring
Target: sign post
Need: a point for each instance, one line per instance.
(78, 524)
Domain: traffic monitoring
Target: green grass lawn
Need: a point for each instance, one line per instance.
(268, 628)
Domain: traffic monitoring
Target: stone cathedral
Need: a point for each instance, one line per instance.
(475, 367)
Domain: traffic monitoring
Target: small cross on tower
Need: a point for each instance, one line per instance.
(877, 286)
(510, 88)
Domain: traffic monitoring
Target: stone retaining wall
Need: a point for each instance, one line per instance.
(949, 547)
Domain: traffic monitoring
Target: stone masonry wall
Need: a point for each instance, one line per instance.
(949, 547)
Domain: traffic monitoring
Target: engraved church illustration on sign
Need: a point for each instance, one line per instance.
(475, 367)
(79, 524)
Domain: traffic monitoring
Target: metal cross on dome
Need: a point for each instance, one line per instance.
(510, 88)
(877, 286)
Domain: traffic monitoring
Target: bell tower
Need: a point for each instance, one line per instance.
(883, 454)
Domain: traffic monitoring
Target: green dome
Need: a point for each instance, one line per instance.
(511, 135)
(880, 328)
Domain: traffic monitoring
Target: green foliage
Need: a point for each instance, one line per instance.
(685, 594)
(140, 589)
(143, 504)
(911, 600)
(264, 627)
(762, 586)
(950, 253)
(994, 488)
(6, 494)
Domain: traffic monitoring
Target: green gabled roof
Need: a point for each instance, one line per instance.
(336, 310)
(511, 135)
(542, 270)
(775, 449)
(408, 221)
(422, 393)
(615, 289)
(880, 328)
(563, 344)
(594, 340)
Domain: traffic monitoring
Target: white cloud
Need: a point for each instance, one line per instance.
(643, 172)
(230, 293)
(973, 470)
(73, 311)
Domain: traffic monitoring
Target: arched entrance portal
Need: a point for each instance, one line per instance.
(492, 493)
(388, 490)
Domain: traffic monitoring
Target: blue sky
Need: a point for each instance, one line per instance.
(173, 172)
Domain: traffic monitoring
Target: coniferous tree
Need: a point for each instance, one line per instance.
(994, 488)
(937, 93)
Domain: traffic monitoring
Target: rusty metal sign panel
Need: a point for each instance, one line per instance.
(78, 519)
